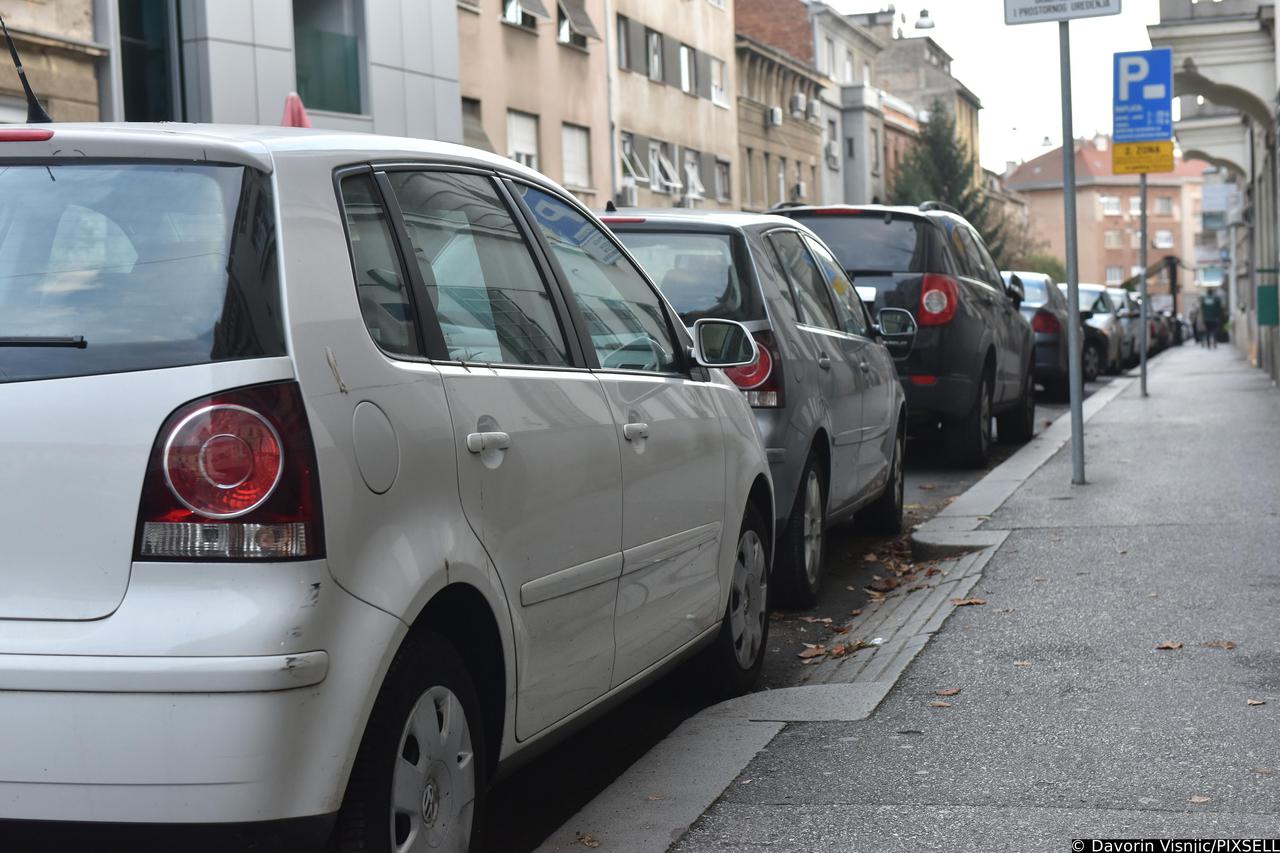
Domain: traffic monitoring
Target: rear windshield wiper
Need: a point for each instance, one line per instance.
(77, 342)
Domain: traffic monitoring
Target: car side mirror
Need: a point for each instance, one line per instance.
(722, 343)
(1016, 291)
(897, 328)
(1086, 315)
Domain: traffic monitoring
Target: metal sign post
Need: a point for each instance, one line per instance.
(1062, 11)
(1143, 131)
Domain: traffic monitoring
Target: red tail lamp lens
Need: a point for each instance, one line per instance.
(1045, 323)
(752, 375)
(223, 461)
(939, 298)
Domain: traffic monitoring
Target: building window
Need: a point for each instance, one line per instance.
(632, 166)
(146, 63)
(566, 34)
(512, 13)
(848, 147)
(1164, 239)
(1110, 205)
(653, 40)
(724, 178)
(830, 57)
(1115, 275)
(668, 174)
(719, 83)
(522, 138)
(875, 151)
(1164, 206)
(866, 73)
(782, 179)
(624, 42)
(1113, 239)
(693, 174)
(764, 181)
(748, 191)
(1135, 205)
(328, 49)
(848, 67)
(575, 145)
(688, 70)
(1135, 239)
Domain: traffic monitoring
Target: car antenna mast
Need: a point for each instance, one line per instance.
(35, 112)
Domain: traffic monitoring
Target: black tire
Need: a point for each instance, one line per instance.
(425, 662)
(967, 439)
(1018, 425)
(884, 516)
(1058, 389)
(798, 565)
(733, 661)
(1093, 359)
(1114, 367)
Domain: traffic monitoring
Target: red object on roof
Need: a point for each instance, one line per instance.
(295, 114)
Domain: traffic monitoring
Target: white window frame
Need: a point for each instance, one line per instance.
(575, 133)
(1110, 205)
(724, 180)
(525, 158)
(565, 33)
(1135, 205)
(1118, 277)
(693, 174)
(623, 26)
(848, 67)
(513, 13)
(630, 160)
(1159, 241)
(1163, 201)
(656, 182)
(720, 93)
(668, 174)
(1113, 238)
(652, 40)
(688, 70)
(830, 57)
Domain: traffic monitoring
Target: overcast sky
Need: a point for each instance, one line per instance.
(1014, 70)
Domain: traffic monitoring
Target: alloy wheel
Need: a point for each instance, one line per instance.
(984, 415)
(433, 783)
(748, 599)
(813, 513)
(1092, 363)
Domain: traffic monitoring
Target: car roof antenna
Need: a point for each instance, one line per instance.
(35, 112)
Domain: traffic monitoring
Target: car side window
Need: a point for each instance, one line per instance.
(380, 286)
(992, 276)
(625, 318)
(484, 286)
(852, 314)
(960, 250)
(813, 300)
(973, 256)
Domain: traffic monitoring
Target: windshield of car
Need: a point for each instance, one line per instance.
(1036, 290)
(142, 266)
(1095, 301)
(871, 243)
(696, 272)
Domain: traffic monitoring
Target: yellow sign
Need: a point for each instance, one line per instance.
(1134, 158)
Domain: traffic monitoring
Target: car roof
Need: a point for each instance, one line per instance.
(726, 219)
(1026, 274)
(252, 145)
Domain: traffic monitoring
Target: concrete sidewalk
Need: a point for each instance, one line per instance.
(1069, 722)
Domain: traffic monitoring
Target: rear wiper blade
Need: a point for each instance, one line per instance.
(77, 342)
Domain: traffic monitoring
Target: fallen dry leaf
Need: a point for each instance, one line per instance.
(949, 691)
(1169, 646)
(1022, 663)
(812, 651)
(968, 602)
(653, 798)
(1153, 595)
(1255, 701)
(880, 584)
(952, 499)
(857, 612)
(1040, 579)
(1197, 799)
(586, 839)
(811, 661)
(1006, 610)
(839, 650)
(1263, 771)
(938, 703)
(1220, 644)
(839, 629)
(1048, 423)
(825, 620)
(928, 487)
(869, 558)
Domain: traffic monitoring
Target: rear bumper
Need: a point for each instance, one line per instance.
(948, 397)
(1049, 357)
(276, 836)
(218, 694)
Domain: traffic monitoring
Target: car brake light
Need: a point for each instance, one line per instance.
(923, 379)
(762, 379)
(1045, 323)
(621, 220)
(25, 134)
(233, 477)
(939, 297)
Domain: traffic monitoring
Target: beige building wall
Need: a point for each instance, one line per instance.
(779, 162)
(507, 67)
(654, 110)
(56, 41)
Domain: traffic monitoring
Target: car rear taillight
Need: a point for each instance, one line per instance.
(1045, 323)
(939, 297)
(762, 379)
(233, 477)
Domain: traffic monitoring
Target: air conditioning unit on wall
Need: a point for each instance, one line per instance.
(798, 103)
(629, 195)
(773, 118)
(798, 191)
(833, 152)
(811, 111)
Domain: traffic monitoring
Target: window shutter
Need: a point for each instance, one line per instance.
(576, 149)
(704, 75)
(708, 169)
(639, 50)
(671, 61)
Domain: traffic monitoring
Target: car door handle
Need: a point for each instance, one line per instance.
(864, 367)
(478, 442)
(824, 361)
(633, 432)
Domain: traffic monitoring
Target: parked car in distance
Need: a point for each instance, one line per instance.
(1046, 309)
(974, 355)
(825, 393)
(342, 470)
(1129, 312)
(1095, 299)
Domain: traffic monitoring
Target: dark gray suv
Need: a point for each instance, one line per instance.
(828, 405)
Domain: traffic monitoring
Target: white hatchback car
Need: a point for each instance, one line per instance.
(334, 471)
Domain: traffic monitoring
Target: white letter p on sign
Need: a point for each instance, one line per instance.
(1133, 69)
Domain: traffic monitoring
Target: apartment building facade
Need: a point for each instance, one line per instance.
(62, 54)
(671, 83)
(1108, 212)
(534, 91)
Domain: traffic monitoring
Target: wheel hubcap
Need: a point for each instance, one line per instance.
(812, 526)
(986, 414)
(899, 479)
(433, 783)
(748, 600)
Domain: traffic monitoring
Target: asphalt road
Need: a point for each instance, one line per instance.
(533, 801)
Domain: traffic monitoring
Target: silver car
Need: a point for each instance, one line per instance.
(825, 391)
(1105, 318)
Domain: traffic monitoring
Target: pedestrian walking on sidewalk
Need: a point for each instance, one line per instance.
(1211, 314)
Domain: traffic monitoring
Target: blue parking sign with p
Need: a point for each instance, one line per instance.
(1143, 96)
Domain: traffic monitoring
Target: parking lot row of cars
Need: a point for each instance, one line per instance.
(339, 470)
